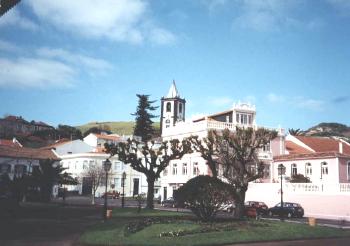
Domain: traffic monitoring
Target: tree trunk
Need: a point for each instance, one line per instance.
(150, 193)
(239, 203)
(93, 198)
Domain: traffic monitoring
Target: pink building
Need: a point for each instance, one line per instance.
(322, 159)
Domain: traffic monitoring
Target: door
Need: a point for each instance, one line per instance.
(165, 191)
(87, 186)
(136, 187)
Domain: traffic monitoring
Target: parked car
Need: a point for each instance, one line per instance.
(254, 208)
(289, 210)
(227, 207)
(113, 195)
(170, 202)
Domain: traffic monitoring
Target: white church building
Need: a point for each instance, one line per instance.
(175, 126)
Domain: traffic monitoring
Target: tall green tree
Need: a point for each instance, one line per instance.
(48, 175)
(143, 117)
(149, 158)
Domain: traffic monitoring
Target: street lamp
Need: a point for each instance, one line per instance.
(106, 166)
(281, 171)
(123, 184)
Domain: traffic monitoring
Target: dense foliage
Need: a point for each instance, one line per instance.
(143, 117)
(299, 178)
(204, 195)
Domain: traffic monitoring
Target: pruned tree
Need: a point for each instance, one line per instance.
(149, 158)
(143, 117)
(208, 148)
(238, 155)
(94, 174)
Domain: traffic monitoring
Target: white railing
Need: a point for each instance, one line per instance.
(340, 188)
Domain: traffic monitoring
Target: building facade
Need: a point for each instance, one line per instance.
(175, 126)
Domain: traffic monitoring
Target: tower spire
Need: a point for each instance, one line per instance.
(173, 93)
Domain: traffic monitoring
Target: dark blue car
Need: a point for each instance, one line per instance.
(288, 210)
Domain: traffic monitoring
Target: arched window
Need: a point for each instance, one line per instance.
(294, 170)
(174, 169)
(348, 170)
(324, 169)
(308, 169)
(168, 107)
(180, 108)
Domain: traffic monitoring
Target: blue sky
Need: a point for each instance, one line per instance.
(73, 62)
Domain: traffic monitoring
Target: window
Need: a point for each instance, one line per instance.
(294, 170)
(165, 173)
(245, 120)
(184, 169)
(348, 170)
(266, 147)
(117, 182)
(5, 168)
(237, 118)
(168, 107)
(324, 169)
(308, 169)
(85, 164)
(91, 164)
(250, 119)
(117, 166)
(227, 118)
(174, 169)
(195, 169)
(180, 108)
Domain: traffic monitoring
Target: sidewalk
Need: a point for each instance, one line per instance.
(311, 242)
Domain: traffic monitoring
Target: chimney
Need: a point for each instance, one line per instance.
(340, 147)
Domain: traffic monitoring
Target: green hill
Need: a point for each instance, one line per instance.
(118, 127)
(329, 130)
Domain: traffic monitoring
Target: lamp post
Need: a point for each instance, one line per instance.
(123, 184)
(106, 166)
(281, 171)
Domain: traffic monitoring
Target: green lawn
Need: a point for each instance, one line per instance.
(113, 231)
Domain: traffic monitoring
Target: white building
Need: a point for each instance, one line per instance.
(77, 156)
(174, 126)
(99, 140)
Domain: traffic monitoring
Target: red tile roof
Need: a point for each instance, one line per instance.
(318, 155)
(27, 153)
(7, 142)
(323, 144)
(107, 137)
(294, 148)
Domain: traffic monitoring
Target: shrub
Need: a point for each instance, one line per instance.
(204, 195)
(299, 178)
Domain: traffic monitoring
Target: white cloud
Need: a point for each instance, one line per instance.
(92, 65)
(274, 98)
(116, 20)
(8, 47)
(47, 68)
(221, 101)
(162, 36)
(299, 102)
(14, 18)
(310, 104)
(35, 72)
(270, 15)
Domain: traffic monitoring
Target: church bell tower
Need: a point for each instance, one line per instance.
(172, 109)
